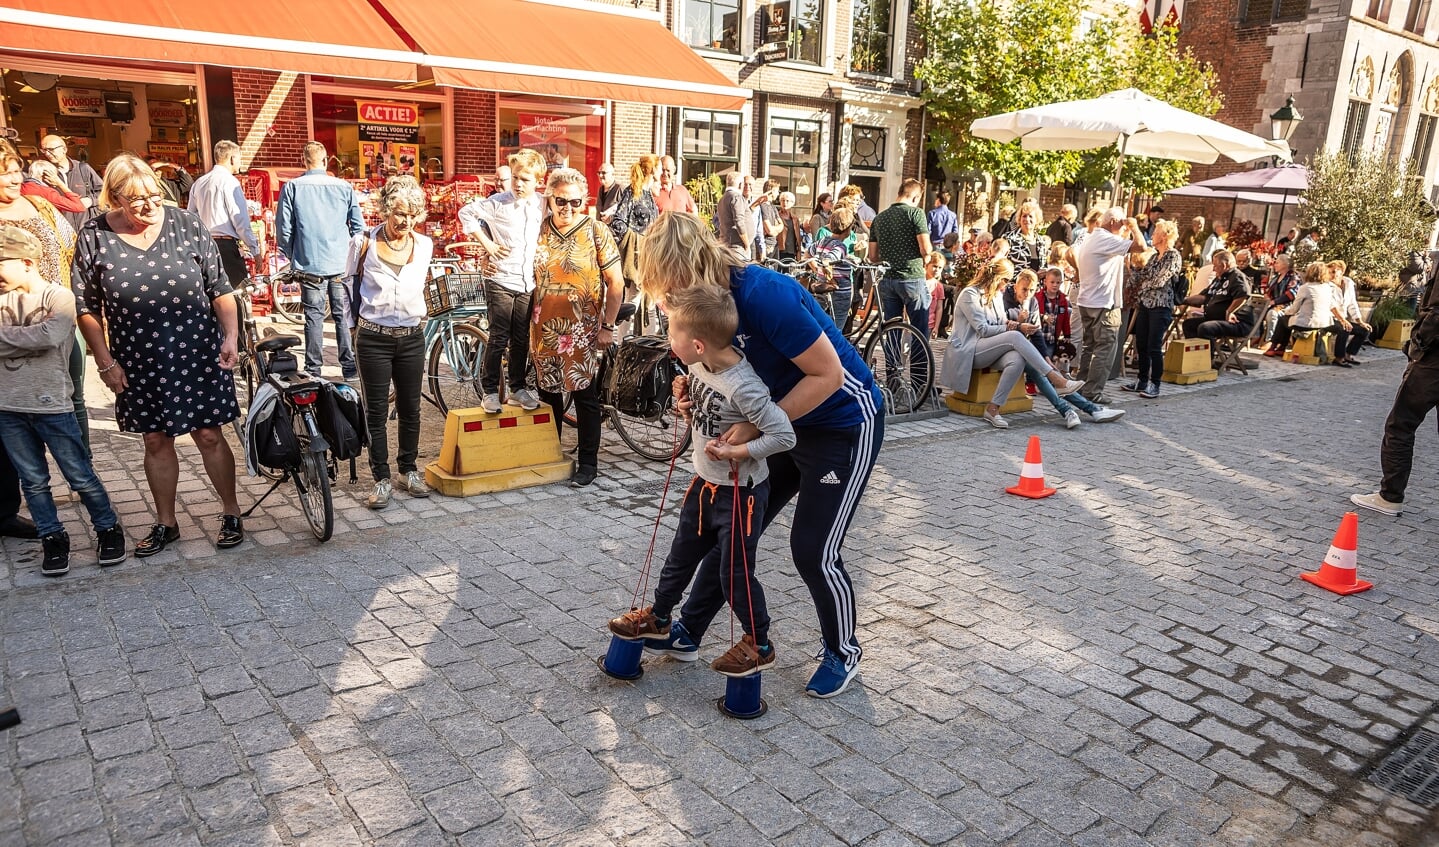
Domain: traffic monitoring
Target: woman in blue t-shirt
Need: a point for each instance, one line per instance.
(819, 380)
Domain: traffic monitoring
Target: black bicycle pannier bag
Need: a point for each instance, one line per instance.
(340, 414)
(639, 381)
(275, 442)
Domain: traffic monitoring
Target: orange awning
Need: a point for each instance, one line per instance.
(331, 37)
(543, 48)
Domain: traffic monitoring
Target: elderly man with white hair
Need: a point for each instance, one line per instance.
(1101, 278)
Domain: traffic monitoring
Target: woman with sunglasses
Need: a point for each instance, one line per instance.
(154, 306)
(578, 290)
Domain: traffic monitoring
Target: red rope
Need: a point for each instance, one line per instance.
(735, 523)
(642, 588)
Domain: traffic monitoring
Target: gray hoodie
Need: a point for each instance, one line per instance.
(724, 399)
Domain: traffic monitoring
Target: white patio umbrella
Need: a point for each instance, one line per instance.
(1141, 125)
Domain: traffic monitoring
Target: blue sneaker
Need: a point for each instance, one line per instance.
(678, 644)
(830, 678)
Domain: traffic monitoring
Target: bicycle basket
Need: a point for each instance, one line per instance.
(447, 292)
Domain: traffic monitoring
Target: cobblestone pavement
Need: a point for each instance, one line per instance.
(1133, 661)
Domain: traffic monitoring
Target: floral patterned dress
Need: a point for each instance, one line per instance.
(569, 302)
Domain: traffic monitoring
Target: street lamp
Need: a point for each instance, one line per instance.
(1285, 120)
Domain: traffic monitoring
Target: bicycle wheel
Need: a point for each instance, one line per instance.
(903, 365)
(286, 300)
(454, 367)
(660, 438)
(312, 480)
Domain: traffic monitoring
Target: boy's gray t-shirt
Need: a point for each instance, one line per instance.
(729, 397)
(37, 331)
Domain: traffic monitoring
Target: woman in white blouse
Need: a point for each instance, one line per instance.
(388, 306)
(1353, 331)
(1315, 307)
(984, 336)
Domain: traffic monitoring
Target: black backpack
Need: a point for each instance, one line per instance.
(340, 414)
(275, 443)
(1179, 287)
(640, 380)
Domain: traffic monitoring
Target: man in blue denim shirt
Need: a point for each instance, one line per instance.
(314, 221)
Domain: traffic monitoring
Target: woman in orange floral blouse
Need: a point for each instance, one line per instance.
(578, 290)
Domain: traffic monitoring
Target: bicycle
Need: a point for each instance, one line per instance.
(661, 436)
(259, 363)
(455, 332)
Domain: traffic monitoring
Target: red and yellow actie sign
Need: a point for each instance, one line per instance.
(387, 113)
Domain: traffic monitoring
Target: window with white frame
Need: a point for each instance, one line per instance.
(712, 24)
(872, 40)
(797, 24)
(709, 143)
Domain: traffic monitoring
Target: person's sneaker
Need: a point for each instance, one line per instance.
(1031, 390)
(414, 482)
(583, 476)
(1150, 391)
(112, 546)
(380, 497)
(490, 404)
(678, 645)
(1071, 419)
(1376, 503)
(1353, 361)
(1106, 415)
(57, 554)
(830, 678)
(1133, 387)
(996, 420)
(637, 624)
(160, 536)
(232, 532)
(1099, 399)
(525, 399)
(744, 658)
(1071, 386)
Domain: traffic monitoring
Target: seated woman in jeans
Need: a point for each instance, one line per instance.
(391, 263)
(983, 337)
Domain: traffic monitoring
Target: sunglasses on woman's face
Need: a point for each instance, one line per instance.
(573, 202)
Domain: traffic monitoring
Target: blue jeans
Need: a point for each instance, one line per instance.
(1047, 389)
(26, 436)
(907, 298)
(319, 296)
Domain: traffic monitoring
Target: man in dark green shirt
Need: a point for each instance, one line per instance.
(900, 236)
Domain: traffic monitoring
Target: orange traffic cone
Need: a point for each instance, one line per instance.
(1031, 475)
(1338, 572)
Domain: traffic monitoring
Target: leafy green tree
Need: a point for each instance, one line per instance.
(987, 57)
(1370, 212)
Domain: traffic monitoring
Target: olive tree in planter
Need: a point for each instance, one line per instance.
(1371, 215)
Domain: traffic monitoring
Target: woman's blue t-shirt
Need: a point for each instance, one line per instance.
(779, 320)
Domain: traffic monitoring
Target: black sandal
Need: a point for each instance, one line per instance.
(160, 536)
(232, 532)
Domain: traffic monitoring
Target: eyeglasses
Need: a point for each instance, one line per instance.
(60, 149)
(142, 202)
(573, 202)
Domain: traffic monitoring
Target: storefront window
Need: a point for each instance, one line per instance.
(712, 24)
(375, 136)
(794, 158)
(709, 143)
(567, 133)
(100, 117)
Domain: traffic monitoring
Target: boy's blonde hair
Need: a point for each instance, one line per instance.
(527, 160)
(705, 312)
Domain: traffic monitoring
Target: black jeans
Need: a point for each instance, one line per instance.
(77, 398)
(232, 261)
(386, 359)
(509, 313)
(587, 421)
(1149, 327)
(1202, 328)
(1348, 341)
(1418, 393)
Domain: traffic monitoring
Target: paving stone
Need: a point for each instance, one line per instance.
(462, 807)
(384, 809)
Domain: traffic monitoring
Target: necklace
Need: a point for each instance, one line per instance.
(390, 243)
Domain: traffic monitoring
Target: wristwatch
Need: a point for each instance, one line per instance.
(610, 327)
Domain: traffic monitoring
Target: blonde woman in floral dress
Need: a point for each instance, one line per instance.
(578, 291)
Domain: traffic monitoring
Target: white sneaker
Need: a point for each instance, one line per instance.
(1071, 386)
(1106, 415)
(414, 482)
(1071, 419)
(996, 420)
(1376, 503)
(525, 399)
(490, 405)
(380, 497)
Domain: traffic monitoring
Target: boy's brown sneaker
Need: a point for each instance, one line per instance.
(744, 659)
(640, 624)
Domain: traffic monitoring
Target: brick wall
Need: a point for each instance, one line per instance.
(632, 130)
(274, 136)
(476, 139)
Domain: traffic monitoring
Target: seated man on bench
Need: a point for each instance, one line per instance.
(1226, 312)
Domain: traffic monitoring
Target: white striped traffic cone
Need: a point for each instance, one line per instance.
(1339, 571)
(1031, 475)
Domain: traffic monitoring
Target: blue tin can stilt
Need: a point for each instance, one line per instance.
(741, 697)
(622, 661)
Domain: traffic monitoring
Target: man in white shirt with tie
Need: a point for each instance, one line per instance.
(508, 226)
(219, 200)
